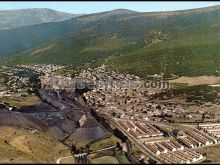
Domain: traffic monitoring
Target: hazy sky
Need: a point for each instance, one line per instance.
(96, 6)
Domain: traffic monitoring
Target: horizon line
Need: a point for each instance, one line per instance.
(156, 11)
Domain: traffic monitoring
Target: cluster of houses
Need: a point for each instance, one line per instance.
(57, 83)
(172, 151)
(213, 129)
(48, 78)
(140, 130)
(115, 93)
(104, 73)
(14, 85)
(194, 138)
(143, 158)
(119, 95)
(17, 84)
(47, 69)
(179, 150)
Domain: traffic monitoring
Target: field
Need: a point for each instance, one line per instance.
(197, 93)
(25, 146)
(100, 144)
(122, 159)
(21, 101)
(27, 74)
(212, 153)
(197, 80)
(109, 157)
(105, 160)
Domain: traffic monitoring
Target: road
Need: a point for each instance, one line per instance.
(145, 150)
(129, 153)
(58, 160)
(140, 145)
(104, 149)
(81, 155)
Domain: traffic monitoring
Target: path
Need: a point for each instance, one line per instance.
(82, 154)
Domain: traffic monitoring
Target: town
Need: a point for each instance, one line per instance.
(123, 100)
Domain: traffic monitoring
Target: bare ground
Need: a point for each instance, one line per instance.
(197, 80)
(24, 146)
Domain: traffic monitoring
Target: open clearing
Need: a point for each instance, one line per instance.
(105, 160)
(21, 101)
(212, 153)
(197, 80)
(24, 146)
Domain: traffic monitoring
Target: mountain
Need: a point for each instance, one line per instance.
(184, 42)
(24, 38)
(25, 17)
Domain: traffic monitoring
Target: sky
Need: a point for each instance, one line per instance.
(86, 7)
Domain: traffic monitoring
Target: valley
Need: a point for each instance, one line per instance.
(158, 42)
(80, 114)
(119, 86)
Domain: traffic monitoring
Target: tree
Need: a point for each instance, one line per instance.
(151, 161)
(87, 148)
(81, 150)
(113, 114)
(73, 149)
(118, 145)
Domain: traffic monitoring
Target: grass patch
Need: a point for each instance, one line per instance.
(179, 85)
(212, 153)
(21, 101)
(100, 144)
(105, 160)
(122, 159)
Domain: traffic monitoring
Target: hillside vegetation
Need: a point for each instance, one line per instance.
(183, 43)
